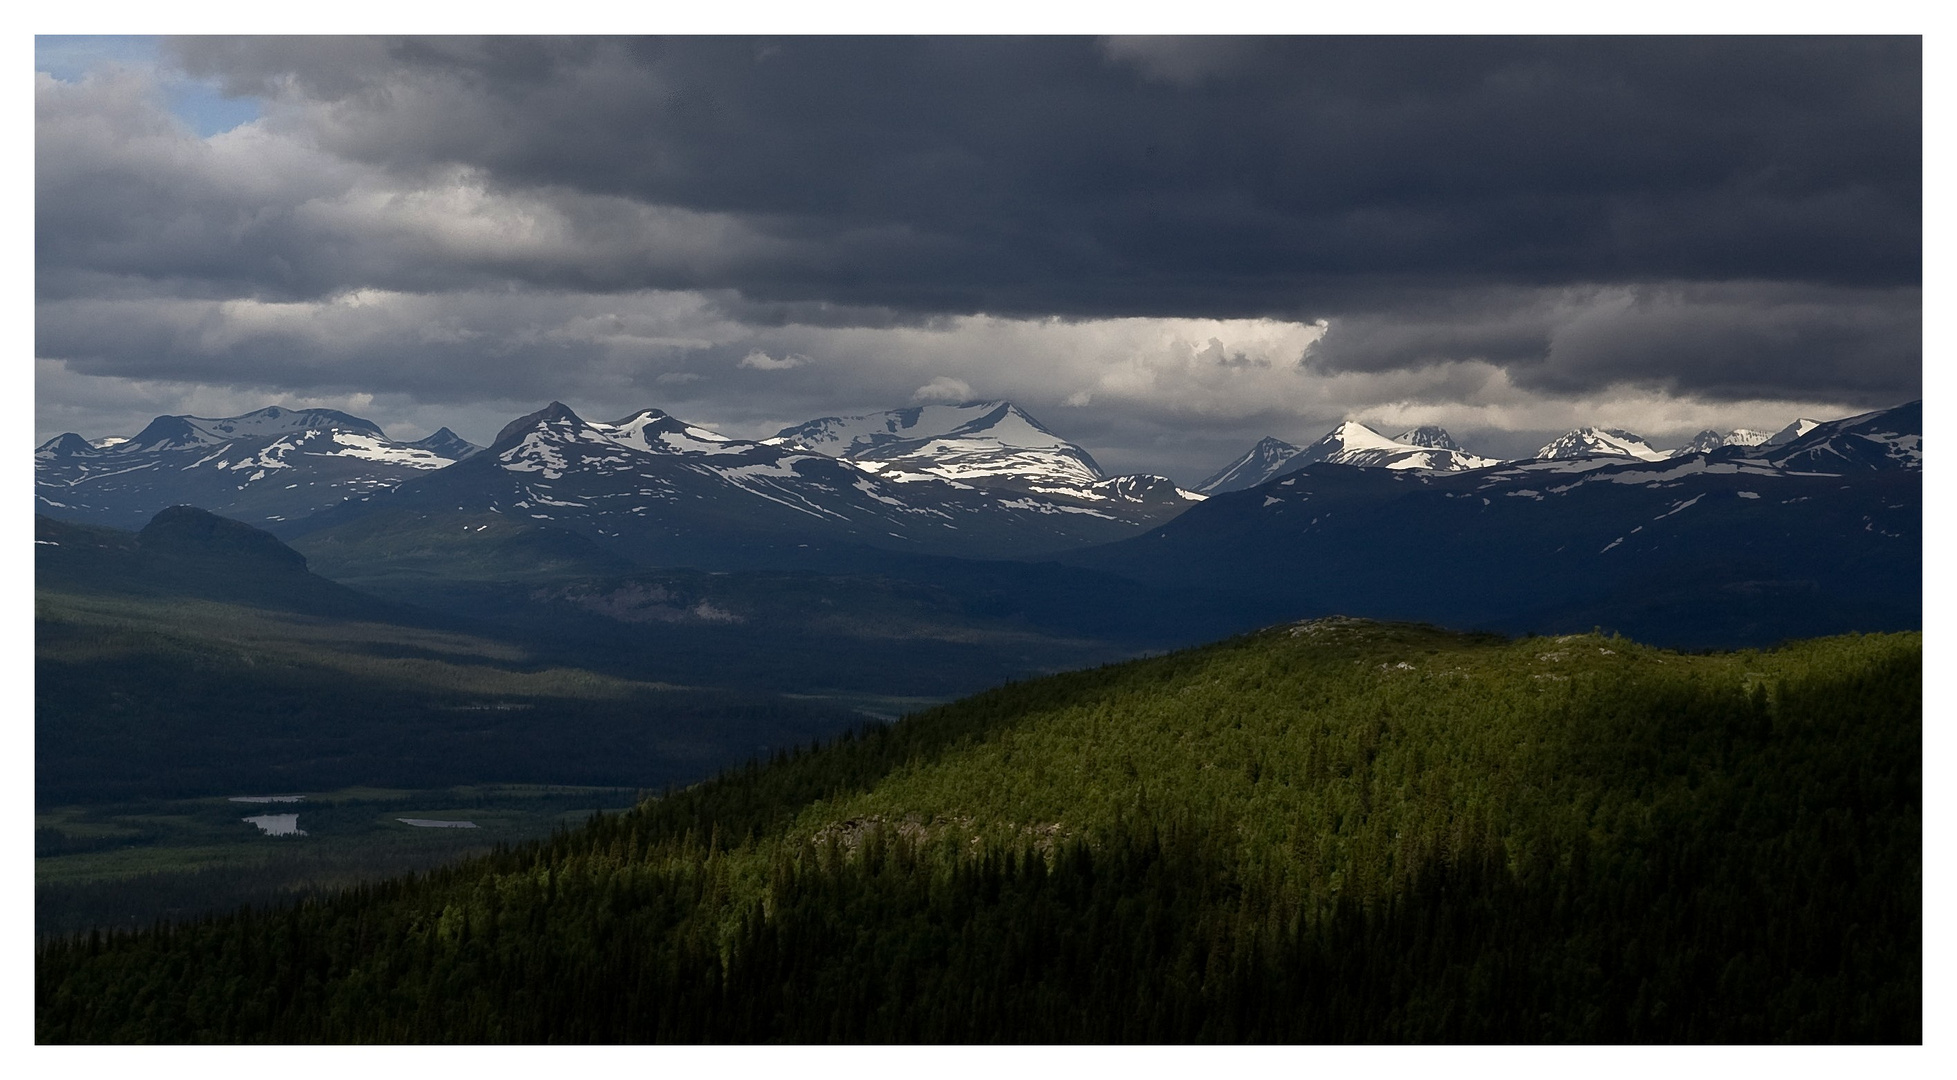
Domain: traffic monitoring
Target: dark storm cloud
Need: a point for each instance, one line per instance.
(1715, 341)
(1249, 177)
(1508, 228)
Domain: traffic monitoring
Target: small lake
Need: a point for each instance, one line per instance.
(431, 823)
(268, 798)
(278, 824)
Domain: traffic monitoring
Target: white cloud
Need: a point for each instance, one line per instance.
(761, 361)
(943, 389)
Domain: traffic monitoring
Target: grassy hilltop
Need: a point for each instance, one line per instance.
(1331, 831)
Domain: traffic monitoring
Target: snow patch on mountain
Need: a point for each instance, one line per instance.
(1600, 442)
(369, 448)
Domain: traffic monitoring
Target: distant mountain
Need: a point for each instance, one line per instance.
(973, 443)
(1882, 441)
(1351, 443)
(1599, 442)
(1258, 464)
(1740, 546)
(275, 464)
(187, 552)
(659, 491)
(1428, 435)
(447, 444)
(1793, 431)
(982, 444)
(1709, 440)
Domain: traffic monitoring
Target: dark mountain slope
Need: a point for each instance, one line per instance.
(187, 552)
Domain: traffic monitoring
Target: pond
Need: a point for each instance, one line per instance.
(431, 823)
(278, 824)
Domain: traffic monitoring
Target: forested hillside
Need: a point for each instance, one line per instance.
(1332, 831)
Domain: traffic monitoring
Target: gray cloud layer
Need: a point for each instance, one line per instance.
(1507, 228)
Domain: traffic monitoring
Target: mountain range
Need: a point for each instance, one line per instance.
(982, 479)
(1818, 526)
(1431, 447)
(280, 465)
(1740, 544)
(275, 464)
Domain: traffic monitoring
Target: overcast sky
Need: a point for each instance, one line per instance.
(1162, 248)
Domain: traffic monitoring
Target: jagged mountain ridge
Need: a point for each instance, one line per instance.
(1350, 443)
(663, 492)
(984, 444)
(271, 465)
(970, 441)
(1745, 544)
(1709, 440)
(1599, 442)
(1353, 443)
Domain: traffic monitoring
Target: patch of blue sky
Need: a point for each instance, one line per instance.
(198, 103)
(70, 56)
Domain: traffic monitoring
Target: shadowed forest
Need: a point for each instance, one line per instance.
(1333, 831)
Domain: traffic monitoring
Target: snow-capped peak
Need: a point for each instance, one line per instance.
(1258, 464)
(556, 419)
(1705, 442)
(1350, 443)
(978, 441)
(856, 436)
(1432, 436)
(662, 433)
(1353, 435)
(1600, 442)
(1353, 443)
(1792, 431)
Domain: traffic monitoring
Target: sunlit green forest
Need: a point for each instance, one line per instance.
(1333, 831)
